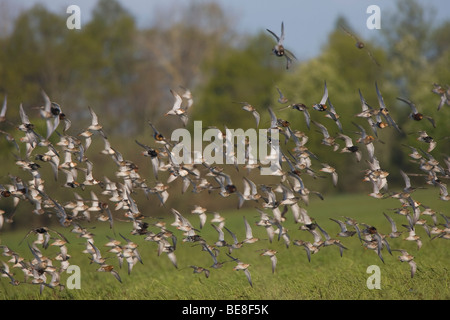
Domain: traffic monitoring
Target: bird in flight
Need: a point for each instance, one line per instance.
(360, 45)
(279, 50)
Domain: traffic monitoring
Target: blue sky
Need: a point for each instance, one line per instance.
(307, 22)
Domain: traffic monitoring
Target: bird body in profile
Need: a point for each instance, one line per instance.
(110, 269)
(198, 269)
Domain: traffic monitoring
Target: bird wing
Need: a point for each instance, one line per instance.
(341, 224)
(413, 267)
(273, 119)
(348, 141)
(232, 235)
(392, 222)
(383, 107)
(4, 107)
(249, 277)
(433, 123)
(257, 117)
(23, 115)
(97, 252)
(322, 128)
(411, 105)
(248, 229)
(380, 97)
(349, 33)
(220, 231)
(325, 234)
(94, 116)
(48, 103)
(272, 33)
(270, 233)
(274, 262)
(116, 275)
(178, 100)
(172, 258)
(407, 179)
(282, 32)
(325, 94)
(282, 97)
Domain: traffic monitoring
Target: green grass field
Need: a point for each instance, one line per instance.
(327, 276)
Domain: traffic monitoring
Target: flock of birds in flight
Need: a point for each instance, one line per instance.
(275, 203)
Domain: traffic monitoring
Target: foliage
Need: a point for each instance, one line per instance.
(246, 74)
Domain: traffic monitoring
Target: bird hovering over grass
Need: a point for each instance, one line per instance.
(272, 255)
(406, 257)
(242, 266)
(198, 269)
(394, 232)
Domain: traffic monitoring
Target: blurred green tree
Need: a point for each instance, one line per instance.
(246, 73)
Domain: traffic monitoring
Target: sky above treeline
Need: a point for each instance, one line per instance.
(307, 23)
